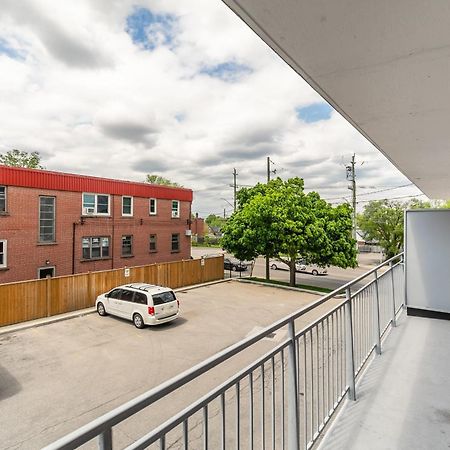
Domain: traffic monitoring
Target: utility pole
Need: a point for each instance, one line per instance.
(224, 213)
(352, 186)
(235, 174)
(268, 179)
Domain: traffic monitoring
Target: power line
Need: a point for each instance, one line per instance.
(377, 199)
(375, 192)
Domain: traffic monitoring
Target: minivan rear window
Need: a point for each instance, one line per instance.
(163, 297)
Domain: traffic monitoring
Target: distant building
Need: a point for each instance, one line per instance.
(54, 223)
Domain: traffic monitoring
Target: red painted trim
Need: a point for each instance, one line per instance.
(59, 181)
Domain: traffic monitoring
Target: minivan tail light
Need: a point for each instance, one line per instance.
(151, 310)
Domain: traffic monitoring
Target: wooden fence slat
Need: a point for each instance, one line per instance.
(29, 300)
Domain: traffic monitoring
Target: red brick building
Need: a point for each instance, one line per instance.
(55, 223)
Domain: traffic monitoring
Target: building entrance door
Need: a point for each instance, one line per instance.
(44, 272)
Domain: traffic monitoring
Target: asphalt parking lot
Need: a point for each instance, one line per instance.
(57, 377)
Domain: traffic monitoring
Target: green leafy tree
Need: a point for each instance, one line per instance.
(18, 158)
(279, 220)
(158, 179)
(382, 222)
(213, 220)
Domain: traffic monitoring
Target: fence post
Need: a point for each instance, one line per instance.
(48, 294)
(292, 391)
(377, 317)
(391, 267)
(89, 287)
(349, 356)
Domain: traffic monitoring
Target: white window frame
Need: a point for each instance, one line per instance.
(6, 200)
(175, 214)
(5, 253)
(132, 206)
(155, 212)
(95, 213)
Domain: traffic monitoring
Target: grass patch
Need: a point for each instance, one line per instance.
(284, 283)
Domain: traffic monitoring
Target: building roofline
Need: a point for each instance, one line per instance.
(62, 181)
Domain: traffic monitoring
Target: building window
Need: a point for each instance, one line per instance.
(127, 245)
(47, 219)
(2, 199)
(175, 208)
(3, 253)
(175, 242)
(97, 204)
(153, 207)
(153, 247)
(127, 206)
(95, 247)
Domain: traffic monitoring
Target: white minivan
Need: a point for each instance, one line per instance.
(144, 304)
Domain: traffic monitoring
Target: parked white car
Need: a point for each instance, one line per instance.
(144, 304)
(300, 266)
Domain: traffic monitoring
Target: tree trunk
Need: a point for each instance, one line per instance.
(292, 273)
(267, 269)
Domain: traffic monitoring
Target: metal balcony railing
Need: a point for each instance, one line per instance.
(284, 398)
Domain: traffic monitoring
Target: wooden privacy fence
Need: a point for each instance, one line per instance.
(28, 300)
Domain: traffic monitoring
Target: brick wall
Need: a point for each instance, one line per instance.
(20, 227)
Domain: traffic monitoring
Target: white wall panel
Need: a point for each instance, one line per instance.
(427, 257)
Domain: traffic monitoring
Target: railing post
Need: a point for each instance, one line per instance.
(293, 412)
(377, 316)
(105, 440)
(350, 363)
(391, 267)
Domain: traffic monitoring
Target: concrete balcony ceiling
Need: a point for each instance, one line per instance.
(384, 65)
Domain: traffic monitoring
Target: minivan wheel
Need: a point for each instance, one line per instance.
(274, 267)
(314, 272)
(138, 321)
(101, 309)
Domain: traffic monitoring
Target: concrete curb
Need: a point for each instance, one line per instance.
(81, 312)
(289, 288)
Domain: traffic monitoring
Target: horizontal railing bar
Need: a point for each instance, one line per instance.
(97, 426)
(327, 418)
(164, 428)
(364, 287)
(365, 360)
(309, 327)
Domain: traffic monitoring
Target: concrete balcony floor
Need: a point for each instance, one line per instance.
(403, 398)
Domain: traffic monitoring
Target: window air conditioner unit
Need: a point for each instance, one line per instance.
(88, 211)
(188, 233)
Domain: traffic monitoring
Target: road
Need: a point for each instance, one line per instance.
(335, 278)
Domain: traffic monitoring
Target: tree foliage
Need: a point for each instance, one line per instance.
(18, 158)
(158, 179)
(213, 220)
(279, 220)
(382, 221)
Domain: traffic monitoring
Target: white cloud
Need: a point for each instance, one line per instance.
(93, 102)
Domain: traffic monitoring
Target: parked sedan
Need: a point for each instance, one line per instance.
(300, 266)
(313, 269)
(230, 264)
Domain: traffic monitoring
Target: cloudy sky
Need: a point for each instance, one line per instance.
(180, 88)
